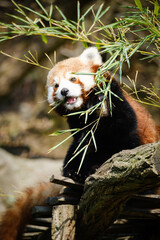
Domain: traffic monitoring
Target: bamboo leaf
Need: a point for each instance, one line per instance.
(139, 4)
(44, 38)
(97, 45)
(85, 45)
(78, 11)
(104, 12)
(139, 45)
(61, 13)
(41, 6)
(156, 8)
(49, 59)
(59, 132)
(35, 12)
(18, 8)
(86, 116)
(98, 14)
(59, 144)
(51, 11)
(75, 155)
(18, 18)
(82, 141)
(83, 157)
(94, 140)
(88, 10)
(55, 105)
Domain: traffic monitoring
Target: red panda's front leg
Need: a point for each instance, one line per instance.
(70, 167)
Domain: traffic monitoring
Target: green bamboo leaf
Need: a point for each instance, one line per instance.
(83, 157)
(74, 113)
(51, 11)
(53, 148)
(120, 35)
(83, 25)
(156, 8)
(78, 11)
(61, 13)
(98, 12)
(94, 140)
(75, 155)
(88, 10)
(18, 8)
(44, 38)
(18, 18)
(59, 132)
(2, 33)
(139, 45)
(120, 71)
(126, 55)
(35, 12)
(86, 116)
(139, 4)
(151, 56)
(4, 39)
(82, 141)
(112, 25)
(41, 6)
(97, 45)
(110, 102)
(85, 45)
(55, 105)
(95, 108)
(83, 73)
(104, 12)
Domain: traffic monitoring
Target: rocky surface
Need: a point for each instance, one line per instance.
(17, 173)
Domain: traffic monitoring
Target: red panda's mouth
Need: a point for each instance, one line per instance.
(71, 100)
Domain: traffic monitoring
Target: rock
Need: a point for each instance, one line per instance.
(18, 173)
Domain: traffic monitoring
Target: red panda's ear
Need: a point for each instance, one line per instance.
(91, 54)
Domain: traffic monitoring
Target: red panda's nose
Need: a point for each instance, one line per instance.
(64, 92)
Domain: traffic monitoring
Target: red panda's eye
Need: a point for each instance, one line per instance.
(73, 79)
(56, 85)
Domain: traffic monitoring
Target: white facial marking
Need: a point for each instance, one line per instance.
(50, 94)
(88, 81)
(74, 90)
(69, 75)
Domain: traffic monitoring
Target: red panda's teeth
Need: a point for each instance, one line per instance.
(71, 100)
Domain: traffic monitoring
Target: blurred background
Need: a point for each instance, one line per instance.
(25, 123)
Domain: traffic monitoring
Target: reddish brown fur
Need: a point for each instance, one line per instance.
(68, 65)
(95, 68)
(158, 131)
(147, 130)
(14, 220)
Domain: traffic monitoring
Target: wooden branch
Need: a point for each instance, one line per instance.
(106, 192)
(67, 182)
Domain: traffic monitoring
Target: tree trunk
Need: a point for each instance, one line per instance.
(106, 191)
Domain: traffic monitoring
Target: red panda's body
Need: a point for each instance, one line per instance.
(126, 126)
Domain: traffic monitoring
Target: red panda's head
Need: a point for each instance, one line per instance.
(72, 89)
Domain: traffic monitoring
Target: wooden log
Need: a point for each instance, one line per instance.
(106, 191)
(64, 221)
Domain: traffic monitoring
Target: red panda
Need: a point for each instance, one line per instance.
(127, 126)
